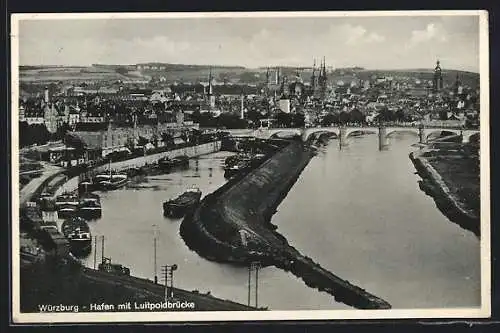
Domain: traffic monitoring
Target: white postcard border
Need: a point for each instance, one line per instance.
(210, 316)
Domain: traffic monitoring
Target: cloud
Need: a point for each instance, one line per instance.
(355, 35)
(432, 32)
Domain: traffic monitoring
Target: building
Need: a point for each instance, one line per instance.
(437, 82)
(321, 89)
(51, 117)
(21, 112)
(34, 117)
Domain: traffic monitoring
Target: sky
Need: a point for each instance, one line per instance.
(395, 42)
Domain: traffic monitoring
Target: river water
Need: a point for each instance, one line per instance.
(357, 211)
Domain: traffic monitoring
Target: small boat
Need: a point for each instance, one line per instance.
(89, 206)
(66, 211)
(77, 231)
(114, 182)
(87, 185)
(110, 180)
(67, 199)
(181, 160)
(179, 206)
(107, 266)
(167, 163)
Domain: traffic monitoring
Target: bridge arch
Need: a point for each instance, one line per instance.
(320, 130)
(278, 133)
(441, 132)
(472, 137)
(318, 134)
(392, 131)
(359, 131)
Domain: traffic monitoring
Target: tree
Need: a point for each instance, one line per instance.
(121, 70)
(283, 119)
(167, 139)
(356, 116)
(330, 119)
(344, 118)
(443, 115)
(24, 137)
(385, 115)
(61, 131)
(298, 120)
(129, 144)
(231, 121)
(196, 116)
(154, 140)
(400, 115)
(142, 141)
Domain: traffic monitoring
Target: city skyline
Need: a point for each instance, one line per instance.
(370, 42)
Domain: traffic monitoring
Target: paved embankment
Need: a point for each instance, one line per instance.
(447, 201)
(232, 225)
(27, 191)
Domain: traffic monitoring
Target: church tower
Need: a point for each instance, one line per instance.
(437, 84)
(313, 79)
(211, 97)
(322, 80)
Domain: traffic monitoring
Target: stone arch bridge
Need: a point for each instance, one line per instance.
(424, 134)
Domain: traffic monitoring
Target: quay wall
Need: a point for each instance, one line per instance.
(433, 185)
(193, 151)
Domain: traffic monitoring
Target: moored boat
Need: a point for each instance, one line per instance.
(179, 206)
(114, 182)
(66, 211)
(167, 163)
(66, 199)
(87, 185)
(89, 206)
(242, 163)
(77, 231)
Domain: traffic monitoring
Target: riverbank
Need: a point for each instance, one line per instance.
(71, 285)
(450, 175)
(233, 225)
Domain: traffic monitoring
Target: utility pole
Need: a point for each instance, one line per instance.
(168, 273)
(154, 247)
(102, 249)
(254, 267)
(95, 251)
(249, 282)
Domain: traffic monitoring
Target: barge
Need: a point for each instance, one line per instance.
(89, 206)
(167, 164)
(181, 205)
(77, 231)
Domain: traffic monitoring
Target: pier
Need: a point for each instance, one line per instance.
(244, 207)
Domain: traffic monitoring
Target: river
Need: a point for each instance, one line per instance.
(357, 211)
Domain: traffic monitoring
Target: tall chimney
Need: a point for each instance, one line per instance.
(46, 95)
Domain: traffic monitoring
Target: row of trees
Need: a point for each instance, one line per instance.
(357, 117)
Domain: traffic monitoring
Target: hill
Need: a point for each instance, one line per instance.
(230, 74)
